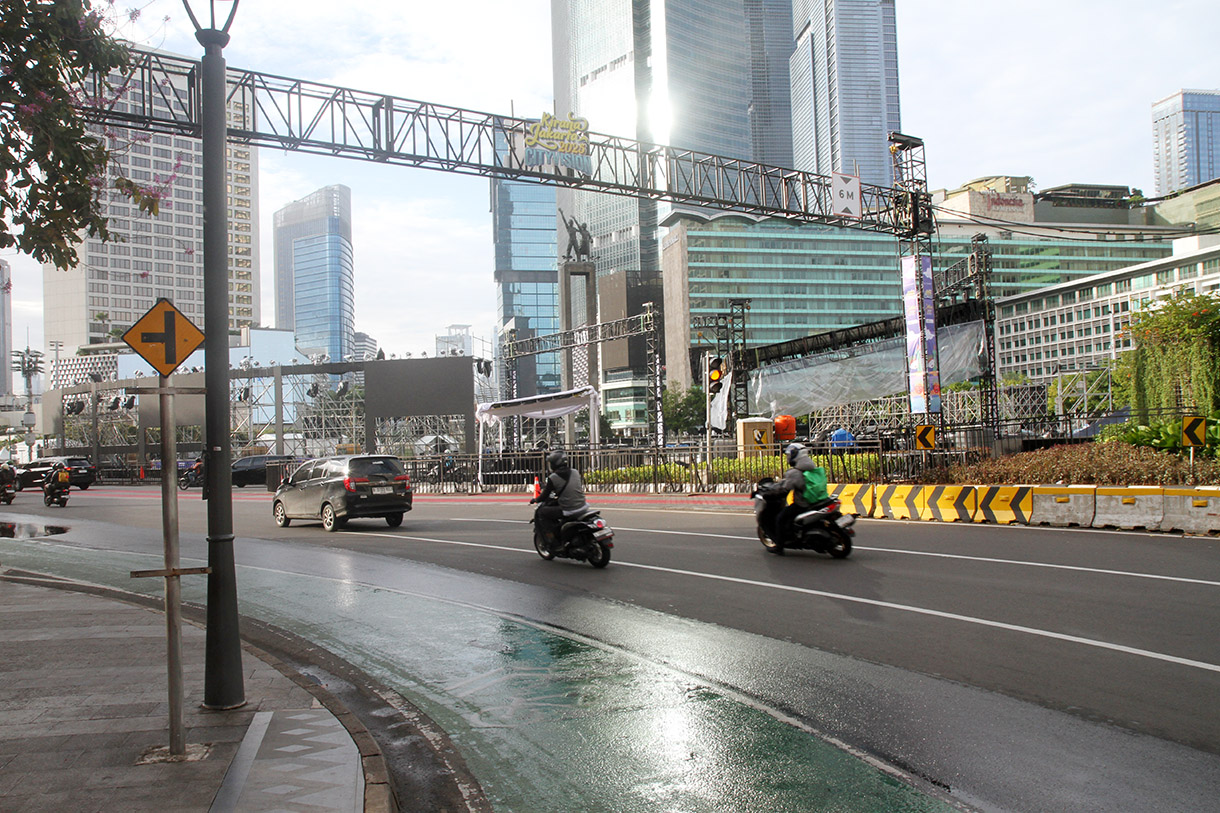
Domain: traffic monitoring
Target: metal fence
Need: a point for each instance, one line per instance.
(674, 469)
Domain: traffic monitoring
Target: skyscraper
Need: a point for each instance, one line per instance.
(705, 75)
(314, 272)
(1186, 139)
(153, 256)
(523, 229)
(845, 87)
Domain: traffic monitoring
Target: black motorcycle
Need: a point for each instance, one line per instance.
(6, 493)
(822, 528)
(190, 477)
(585, 538)
(55, 492)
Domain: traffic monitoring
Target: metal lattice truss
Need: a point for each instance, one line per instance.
(639, 325)
(292, 114)
(421, 435)
(964, 408)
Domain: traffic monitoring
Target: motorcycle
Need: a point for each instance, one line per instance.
(190, 477)
(55, 493)
(822, 528)
(6, 493)
(585, 538)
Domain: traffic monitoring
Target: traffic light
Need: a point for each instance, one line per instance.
(715, 375)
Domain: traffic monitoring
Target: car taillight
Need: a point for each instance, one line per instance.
(349, 483)
(403, 478)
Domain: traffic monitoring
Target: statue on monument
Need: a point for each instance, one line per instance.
(580, 241)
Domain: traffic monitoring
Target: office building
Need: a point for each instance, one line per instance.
(524, 237)
(844, 80)
(314, 272)
(1081, 324)
(1186, 139)
(364, 346)
(704, 75)
(805, 279)
(154, 256)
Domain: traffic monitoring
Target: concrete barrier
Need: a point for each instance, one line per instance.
(1129, 507)
(1005, 505)
(1191, 510)
(858, 499)
(899, 502)
(950, 503)
(1064, 505)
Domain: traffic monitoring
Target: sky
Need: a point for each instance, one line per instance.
(1059, 91)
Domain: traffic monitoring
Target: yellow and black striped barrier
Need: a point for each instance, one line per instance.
(858, 499)
(1005, 504)
(950, 503)
(900, 502)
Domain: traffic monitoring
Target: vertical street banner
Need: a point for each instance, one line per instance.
(919, 309)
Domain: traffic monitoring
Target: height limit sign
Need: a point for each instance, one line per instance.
(164, 337)
(845, 195)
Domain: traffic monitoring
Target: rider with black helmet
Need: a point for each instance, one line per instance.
(563, 495)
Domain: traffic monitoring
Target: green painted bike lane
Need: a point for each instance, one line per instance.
(545, 721)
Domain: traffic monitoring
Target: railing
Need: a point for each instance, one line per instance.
(674, 469)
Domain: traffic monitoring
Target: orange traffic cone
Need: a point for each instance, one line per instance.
(537, 487)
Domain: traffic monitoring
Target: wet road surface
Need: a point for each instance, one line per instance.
(616, 675)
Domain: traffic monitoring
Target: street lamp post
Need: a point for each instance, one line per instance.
(223, 687)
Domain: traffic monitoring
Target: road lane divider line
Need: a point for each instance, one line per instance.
(889, 605)
(987, 559)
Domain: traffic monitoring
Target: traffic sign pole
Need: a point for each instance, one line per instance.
(173, 584)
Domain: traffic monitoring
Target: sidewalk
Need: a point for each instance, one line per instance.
(83, 697)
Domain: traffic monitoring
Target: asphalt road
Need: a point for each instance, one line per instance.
(1022, 668)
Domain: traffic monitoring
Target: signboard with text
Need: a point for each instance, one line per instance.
(919, 309)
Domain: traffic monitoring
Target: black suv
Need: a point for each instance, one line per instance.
(81, 471)
(252, 470)
(336, 489)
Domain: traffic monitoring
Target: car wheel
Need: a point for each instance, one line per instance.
(330, 522)
(281, 516)
(393, 520)
(17, 486)
(83, 488)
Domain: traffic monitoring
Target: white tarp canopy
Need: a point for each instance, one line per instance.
(805, 385)
(551, 405)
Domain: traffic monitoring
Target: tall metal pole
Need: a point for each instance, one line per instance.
(223, 687)
(173, 585)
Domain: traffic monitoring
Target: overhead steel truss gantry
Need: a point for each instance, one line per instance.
(311, 117)
(294, 114)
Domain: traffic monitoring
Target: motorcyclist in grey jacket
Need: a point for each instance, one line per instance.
(563, 495)
(793, 481)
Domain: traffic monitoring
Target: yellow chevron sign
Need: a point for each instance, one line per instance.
(1194, 430)
(1005, 504)
(925, 436)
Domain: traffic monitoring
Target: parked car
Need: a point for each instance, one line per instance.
(252, 470)
(81, 472)
(336, 489)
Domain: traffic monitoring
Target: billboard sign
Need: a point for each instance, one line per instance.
(919, 309)
(552, 142)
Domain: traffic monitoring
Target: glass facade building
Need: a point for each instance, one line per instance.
(524, 232)
(802, 280)
(844, 85)
(314, 272)
(1186, 139)
(705, 75)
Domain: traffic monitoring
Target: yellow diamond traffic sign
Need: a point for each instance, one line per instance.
(164, 337)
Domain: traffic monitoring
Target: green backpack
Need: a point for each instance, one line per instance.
(815, 486)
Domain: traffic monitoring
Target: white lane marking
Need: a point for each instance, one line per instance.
(968, 619)
(1048, 565)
